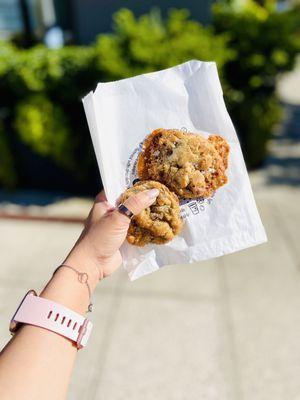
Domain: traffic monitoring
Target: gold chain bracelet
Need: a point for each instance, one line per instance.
(83, 278)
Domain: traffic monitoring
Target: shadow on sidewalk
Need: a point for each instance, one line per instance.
(283, 163)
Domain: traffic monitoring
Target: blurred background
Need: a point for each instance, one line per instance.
(224, 329)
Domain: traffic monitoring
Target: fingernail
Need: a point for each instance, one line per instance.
(152, 193)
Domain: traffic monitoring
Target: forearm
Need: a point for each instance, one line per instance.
(37, 363)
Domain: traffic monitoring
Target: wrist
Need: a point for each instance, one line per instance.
(80, 259)
(67, 287)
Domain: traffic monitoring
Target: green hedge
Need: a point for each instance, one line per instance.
(148, 43)
(8, 176)
(41, 107)
(266, 44)
(45, 128)
(41, 89)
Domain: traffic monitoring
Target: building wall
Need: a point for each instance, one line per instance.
(10, 17)
(91, 17)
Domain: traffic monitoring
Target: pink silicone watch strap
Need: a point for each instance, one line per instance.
(47, 314)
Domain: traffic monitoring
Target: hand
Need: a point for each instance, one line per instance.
(97, 249)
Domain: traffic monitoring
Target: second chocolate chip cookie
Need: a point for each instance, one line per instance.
(158, 223)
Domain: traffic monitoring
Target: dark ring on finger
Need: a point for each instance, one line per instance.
(124, 210)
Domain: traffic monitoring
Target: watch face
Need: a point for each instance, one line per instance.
(14, 325)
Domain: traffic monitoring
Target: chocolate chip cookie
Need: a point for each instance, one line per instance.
(187, 163)
(158, 223)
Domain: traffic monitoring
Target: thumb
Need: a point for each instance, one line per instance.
(136, 204)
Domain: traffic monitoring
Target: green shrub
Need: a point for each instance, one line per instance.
(255, 123)
(67, 72)
(266, 43)
(41, 104)
(8, 175)
(44, 127)
(149, 43)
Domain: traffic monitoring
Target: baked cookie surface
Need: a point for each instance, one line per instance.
(187, 163)
(158, 223)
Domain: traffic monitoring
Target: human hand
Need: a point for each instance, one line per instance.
(97, 249)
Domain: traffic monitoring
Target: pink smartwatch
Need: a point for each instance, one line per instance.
(34, 310)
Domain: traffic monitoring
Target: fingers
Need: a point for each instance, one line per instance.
(101, 196)
(100, 207)
(138, 202)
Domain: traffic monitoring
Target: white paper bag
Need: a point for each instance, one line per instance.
(189, 96)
